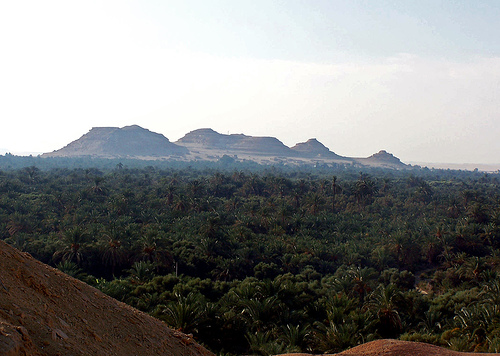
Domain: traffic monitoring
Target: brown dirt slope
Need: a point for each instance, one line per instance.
(398, 348)
(45, 312)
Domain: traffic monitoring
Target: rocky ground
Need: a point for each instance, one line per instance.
(398, 348)
(45, 312)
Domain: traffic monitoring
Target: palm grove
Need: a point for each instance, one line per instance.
(274, 261)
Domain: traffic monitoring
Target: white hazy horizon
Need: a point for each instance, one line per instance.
(420, 80)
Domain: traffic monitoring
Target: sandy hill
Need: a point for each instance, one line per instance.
(45, 312)
(128, 141)
(398, 348)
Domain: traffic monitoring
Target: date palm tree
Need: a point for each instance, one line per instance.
(263, 343)
(141, 272)
(261, 314)
(383, 303)
(335, 190)
(364, 189)
(297, 337)
(73, 240)
(185, 314)
(113, 253)
(335, 338)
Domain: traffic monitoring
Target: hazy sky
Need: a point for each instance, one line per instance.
(420, 79)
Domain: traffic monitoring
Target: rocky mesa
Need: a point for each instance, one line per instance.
(207, 144)
(129, 141)
(209, 139)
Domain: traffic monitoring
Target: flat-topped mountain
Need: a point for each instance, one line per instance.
(207, 144)
(210, 139)
(313, 148)
(133, 141)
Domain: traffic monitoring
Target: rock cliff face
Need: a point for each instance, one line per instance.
(45, 312)
(133, 141)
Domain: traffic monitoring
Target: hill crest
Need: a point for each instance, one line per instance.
(391, 347)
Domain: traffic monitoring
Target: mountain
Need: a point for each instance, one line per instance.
(382, 159)
(209, 139)
(129, 141)
(313, 148)
(208, 145)
(45, 312)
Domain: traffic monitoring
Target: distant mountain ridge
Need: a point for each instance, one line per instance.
(209, 139)
(206, 144)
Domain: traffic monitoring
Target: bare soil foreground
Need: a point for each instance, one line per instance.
(398, 348)
(45, 312)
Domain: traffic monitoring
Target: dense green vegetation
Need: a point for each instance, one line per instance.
(275, 260)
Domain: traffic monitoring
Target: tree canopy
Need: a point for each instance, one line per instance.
(274, 260)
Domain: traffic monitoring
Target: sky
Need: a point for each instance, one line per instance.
(419, 79)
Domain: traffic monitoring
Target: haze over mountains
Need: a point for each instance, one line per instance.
(207, 144)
